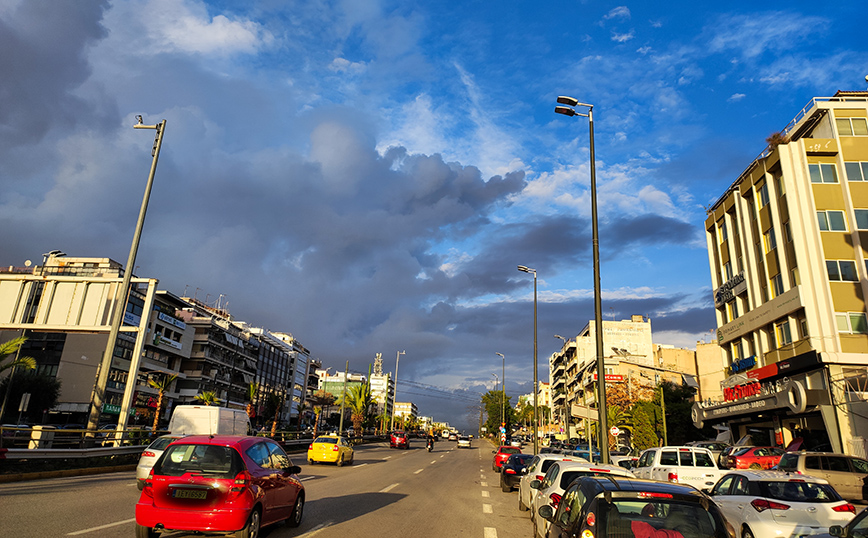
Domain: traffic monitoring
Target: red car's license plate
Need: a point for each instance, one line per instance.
(190, 494)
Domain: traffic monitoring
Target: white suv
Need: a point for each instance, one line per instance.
(682, 464)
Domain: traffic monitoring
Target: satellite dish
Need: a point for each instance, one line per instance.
(27, 263)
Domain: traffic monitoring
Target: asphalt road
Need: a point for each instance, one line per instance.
(386, 492)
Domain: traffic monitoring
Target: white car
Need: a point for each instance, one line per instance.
(536, 470)
(775, 503)
(689, 465)
(558, 478)
(150, 456)
(463, 441)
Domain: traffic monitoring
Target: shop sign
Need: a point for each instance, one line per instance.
(611, 377)
(114, 409)
(171, 321)
(742, 391)
(784, 393)
(743, 364)
(730, 289)
(761, 316)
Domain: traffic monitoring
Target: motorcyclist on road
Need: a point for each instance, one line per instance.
(430, 441)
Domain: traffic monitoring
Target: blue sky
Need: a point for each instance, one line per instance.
(367, 175)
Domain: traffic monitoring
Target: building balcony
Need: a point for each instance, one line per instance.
(789, 350)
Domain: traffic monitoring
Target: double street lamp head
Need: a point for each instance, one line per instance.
(569, 110)
(525, 269)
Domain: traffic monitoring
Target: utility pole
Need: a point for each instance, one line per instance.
(343, 400)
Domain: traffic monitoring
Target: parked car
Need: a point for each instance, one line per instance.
(463, 441)
(330, 449)
(680, 464)
(847, 474)
(757, 457)
(220, 484)
(399, 439)
(150, 456)
(616, 507)
(501, 455)
(857, 528)
(775, 503)
(536, 470)
(722, 457)
(512, 470)
(558, 478)
(453, 437)
(715, 447)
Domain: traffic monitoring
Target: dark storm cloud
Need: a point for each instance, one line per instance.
(649, 229)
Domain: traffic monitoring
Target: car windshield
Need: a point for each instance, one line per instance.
(510, 450)
(741, 452)
(206, 460)
(324, 440)
(161, 443)
(797, 491)
(639, 517)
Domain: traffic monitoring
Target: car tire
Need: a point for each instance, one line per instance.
(140, 484)
(145, 532)
(521, 506)
(504, 487)
(341, 461)
(747, 533)
(251, 529)
(311, 462)
(297, 512)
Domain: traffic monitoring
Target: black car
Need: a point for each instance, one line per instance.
(857, 527)
(512, 471)
(615, 507)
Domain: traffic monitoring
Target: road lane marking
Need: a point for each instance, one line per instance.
(387, 457)
(388, 488)
(419, 471)
(485, 493)
(489, 532)
(435, 461)
(484, 484)
(307, 478)
(101, 527)
(486, 509)
(317, 529)
(360, 465)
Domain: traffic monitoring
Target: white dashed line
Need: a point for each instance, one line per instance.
(489, 532)
(486, 509)
(101, 527)
(388, 488)
(484, 484)
(419, 471)
(485, 493)
(307, 478)
(359, 465)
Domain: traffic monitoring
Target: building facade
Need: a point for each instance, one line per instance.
(788, 253)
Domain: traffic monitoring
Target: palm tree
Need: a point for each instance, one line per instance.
(252, 389)
(10, 348)
(275, 402)
(302, 407)
(619, 417)
(207, 397)
(320, 400)
(162, 386)
(358, 399)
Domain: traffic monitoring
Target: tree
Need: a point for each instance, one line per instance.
(494, 408)
(273, 405)
(358, 399)
(162, 385)
(643, 435)
(320, 400)
(10, 348)
(252, 389)
(44, 391)
(302, 407)
(207, 397)
(620, 418)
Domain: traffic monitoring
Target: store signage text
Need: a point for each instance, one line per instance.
(741, 391)
(743, 364)
(733, 287)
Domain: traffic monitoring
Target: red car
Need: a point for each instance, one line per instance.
(754, 457)
(399, 440)
(501, 455)
(220, 484)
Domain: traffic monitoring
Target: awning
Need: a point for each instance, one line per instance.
(690, 381)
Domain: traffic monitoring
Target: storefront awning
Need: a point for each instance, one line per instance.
(690, 381)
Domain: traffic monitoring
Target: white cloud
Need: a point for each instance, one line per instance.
(342, 65)
(620, 12)
(736, 97)
(622, 38)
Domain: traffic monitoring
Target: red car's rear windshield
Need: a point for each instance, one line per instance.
(509, 450)
(206, 460)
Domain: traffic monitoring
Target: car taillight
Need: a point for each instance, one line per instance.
(654, 495)
(335, 448)
(554, 500)
(845, 508)
(148, 454)
(673, 477)
(242, 481)
(591, 520)
(540, 476)
(765, 504)
(148, 484)
(310, 447)
(509, 471)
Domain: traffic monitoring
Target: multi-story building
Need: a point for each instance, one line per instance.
(788, 252)
(299, 366)
(406, 410)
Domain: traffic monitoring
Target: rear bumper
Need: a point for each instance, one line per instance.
(149, 516)
(326, 457)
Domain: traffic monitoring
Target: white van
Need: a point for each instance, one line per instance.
(209, 420)
(682, 464)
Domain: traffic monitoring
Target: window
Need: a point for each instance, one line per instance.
(779, 183)
(769, 241)
(851, 322)
(763, 195)
(861, 218)
(841, 270)
(856, 171)
(727, 271)
(823, 173)
(788, 232)
(782, 332)
(777, 282)
(669, 457)
(852, 126)
(831, 221)
(731, 310)
(721, 230)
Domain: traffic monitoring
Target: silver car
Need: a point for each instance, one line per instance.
(150, 456)
(463, 441)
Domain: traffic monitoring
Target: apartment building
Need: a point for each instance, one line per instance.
(788, 253)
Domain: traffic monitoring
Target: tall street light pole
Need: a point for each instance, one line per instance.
(121, 293)
(569, 110)
(395, 394)
(503, 393)
(525, 269)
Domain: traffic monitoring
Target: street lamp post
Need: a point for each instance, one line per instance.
(502, 393)
(525, 269)
(569, 110)
(395, 394)
(121, 293)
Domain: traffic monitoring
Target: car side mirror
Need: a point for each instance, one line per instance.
(836, 530)
(546, 512)
(293, 469)
(535, 484)
(524, 470)
(707, 491)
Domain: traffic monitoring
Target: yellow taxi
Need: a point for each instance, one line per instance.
(330, 449)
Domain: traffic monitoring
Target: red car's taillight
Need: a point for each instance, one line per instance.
(242, 481)
(148, 454)
(509, 471)
(148, 484)
(540, 476)
(761, 505)
(845, 508)
(554, 500)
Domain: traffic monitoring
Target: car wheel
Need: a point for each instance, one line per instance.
(311, 462)
(297, 512)
(341, 461)
(140, 484)
(145, 532)
(746, 533)
(755, 466)
(504, 487)
(251, 530)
